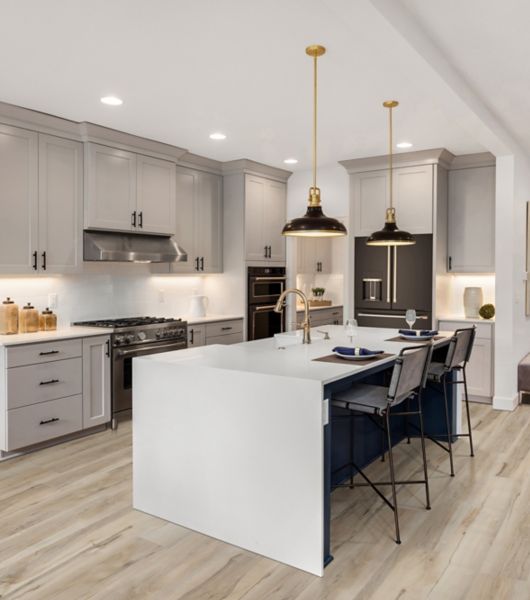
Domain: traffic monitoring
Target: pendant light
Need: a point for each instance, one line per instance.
(390, 235)
(314, 223)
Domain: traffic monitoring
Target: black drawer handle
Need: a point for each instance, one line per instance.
(49, 352)
(226, 328)
(53, 420)
(49, 381)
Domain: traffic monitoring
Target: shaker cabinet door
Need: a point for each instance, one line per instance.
(254, 216)
(18, 200)
(275, 218)
(110, 194)
(156, 188)
(185, 231)
(210, 222)
(60, 204)
(96, 381)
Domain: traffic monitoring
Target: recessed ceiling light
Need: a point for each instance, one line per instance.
(217, 136)
(404, 145)
(111, 100)
(290, 161)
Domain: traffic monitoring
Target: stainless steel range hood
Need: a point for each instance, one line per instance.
(130, 247)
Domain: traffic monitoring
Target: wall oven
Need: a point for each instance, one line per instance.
(265, 285)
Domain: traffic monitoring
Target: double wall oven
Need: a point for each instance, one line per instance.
(265, 285)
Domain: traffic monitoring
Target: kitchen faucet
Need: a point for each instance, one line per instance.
(306, 324)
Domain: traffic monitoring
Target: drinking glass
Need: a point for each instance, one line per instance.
(351, 328)
(410, 317)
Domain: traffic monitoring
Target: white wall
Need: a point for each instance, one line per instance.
(113, 291)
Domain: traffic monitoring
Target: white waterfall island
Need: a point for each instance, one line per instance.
(235, 441)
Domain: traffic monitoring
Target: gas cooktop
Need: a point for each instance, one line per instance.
(127, 322)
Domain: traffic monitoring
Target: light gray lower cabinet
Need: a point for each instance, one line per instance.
(323, 316)
(52, 389)
(217, 332)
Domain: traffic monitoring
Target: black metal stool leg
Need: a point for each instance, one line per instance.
(383, 442)
(448, 426)
(351, 449)
(407, 432)
(472, 453)
(392, 476)
(427, 495)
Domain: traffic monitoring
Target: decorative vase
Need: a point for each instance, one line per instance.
(473, 300)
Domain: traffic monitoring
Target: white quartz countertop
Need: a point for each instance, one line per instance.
(63, 333)
(300, 307)
(296, 361)
(210, 319)
(462, 319)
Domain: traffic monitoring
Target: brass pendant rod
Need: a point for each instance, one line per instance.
(315, 122)
(390, 146)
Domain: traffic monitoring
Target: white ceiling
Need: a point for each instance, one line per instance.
(187, 68)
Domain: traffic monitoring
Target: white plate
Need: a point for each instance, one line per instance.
(416, 337)
(353, 357)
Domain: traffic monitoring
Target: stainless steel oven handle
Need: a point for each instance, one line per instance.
(263, 308)
(421, 317)
(138, 351)
(254, 279)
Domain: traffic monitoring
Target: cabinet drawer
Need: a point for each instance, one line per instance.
(40, 422)
(484, 331)
(31, 354)
(224, 328)
(231, 338)
(38, 383)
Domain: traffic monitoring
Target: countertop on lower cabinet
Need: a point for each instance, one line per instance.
(462, 319)
(210, 319)
(64, 333)
(300, 307)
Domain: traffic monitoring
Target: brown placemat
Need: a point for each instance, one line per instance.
(403, 341)
(333, 358)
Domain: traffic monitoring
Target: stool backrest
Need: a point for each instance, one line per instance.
(410, 372)
(460, 348)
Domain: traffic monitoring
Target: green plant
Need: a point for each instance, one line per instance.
(487, 311)
(318, 291)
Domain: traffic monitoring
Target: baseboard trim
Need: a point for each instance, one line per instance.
(505, 402)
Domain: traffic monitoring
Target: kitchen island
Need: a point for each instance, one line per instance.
(236, 442)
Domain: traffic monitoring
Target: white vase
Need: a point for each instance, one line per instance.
(473, 300)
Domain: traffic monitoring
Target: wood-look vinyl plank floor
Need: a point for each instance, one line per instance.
(68, 532)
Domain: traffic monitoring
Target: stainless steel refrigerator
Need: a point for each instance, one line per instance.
(390, 280)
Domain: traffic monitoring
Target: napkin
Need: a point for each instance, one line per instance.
(355, 351)
(419, 332)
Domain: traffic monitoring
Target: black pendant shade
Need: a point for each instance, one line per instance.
(314, 224)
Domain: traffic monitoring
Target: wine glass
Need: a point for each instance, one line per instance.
(351, 328)
(410, 317)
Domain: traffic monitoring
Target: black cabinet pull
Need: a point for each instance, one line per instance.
(141, 219)
(44, 260)
(226, 328)
(265, 249)
(53, 420)
(450, 263)
(35, 260)
(49, 381)
(107, 343)
(270, 251)
(197, 263)
(192, 336)
(49, 352)
(202, 263)
(133, 219)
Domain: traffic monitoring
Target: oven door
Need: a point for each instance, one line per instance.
(122, 371)
(264, 322)
(265, 289)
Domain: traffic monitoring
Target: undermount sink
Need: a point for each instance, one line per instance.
(291, 338)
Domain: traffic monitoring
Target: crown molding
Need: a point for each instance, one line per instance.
(250, 167)
(470, 161)
(435, 156)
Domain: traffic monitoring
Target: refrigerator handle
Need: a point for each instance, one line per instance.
(394, 299)
(388, 275)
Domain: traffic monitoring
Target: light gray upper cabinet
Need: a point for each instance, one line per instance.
(265, 216)
(471, 223)
(41, 180)
(156, 189)
(19, 199)
(413, 199)
(126, 191)
(110, 188)
(314, 255)
(199, 221)
(60, 204)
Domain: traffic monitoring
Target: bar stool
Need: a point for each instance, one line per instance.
(408, 379)
(458, 355)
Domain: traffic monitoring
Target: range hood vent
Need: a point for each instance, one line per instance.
(130, 247)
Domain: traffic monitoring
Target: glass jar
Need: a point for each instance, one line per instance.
(8, 317)
(28, 319)
(47, 320)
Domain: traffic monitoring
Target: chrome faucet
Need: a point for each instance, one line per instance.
(306, 324)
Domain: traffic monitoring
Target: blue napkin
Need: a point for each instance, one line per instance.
(419, 332)
(355, 351)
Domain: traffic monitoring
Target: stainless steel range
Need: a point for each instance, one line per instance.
(136, 336)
